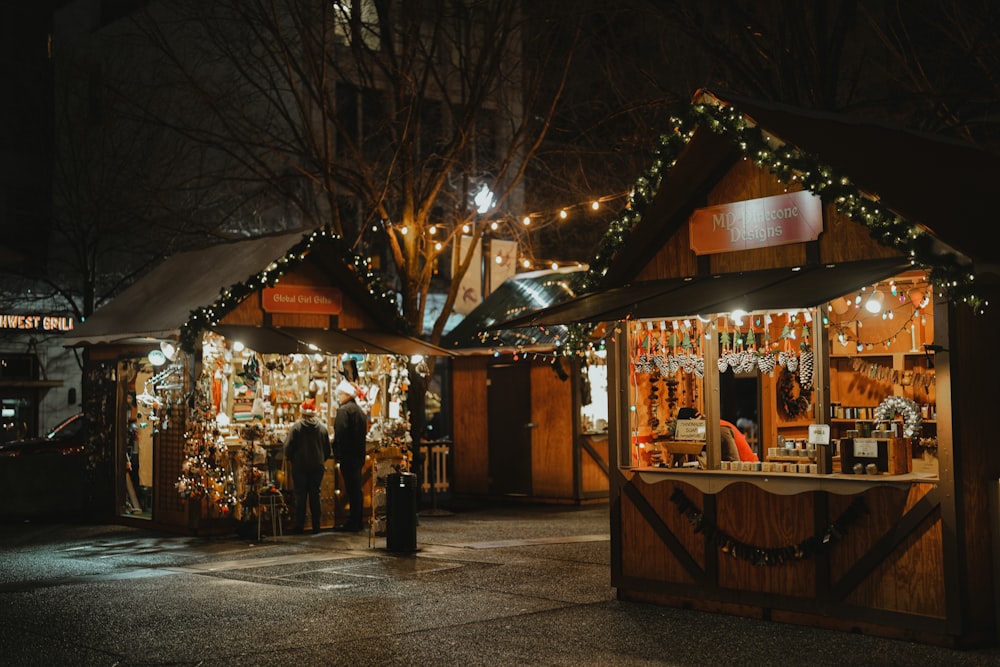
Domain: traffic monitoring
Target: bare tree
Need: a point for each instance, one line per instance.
(378, 120)
(923, 64)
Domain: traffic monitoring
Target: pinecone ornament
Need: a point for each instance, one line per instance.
(687, 362)
(806, 368)
(766, 363)
(673, 363)
(660, 361)
(644, 364)
(792, 364)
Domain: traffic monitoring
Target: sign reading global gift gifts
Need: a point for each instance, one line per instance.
(301, 299)
(756, 223)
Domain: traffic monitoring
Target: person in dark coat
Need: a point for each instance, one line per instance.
(350, 427)
(307, 448)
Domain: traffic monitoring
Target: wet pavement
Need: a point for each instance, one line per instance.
(521, 585)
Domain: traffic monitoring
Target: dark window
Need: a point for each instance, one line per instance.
(348, 119)
(374, 132)
(18, 366)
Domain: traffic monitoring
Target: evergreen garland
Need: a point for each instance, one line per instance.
(789, 164)
(767, 555)
(206, 316)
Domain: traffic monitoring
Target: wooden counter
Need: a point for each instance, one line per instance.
(713, 481)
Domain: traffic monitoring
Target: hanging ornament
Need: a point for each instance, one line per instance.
(806, 366)
(723, 360)
(766, 362)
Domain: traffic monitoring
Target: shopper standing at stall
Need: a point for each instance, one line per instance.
(307, 448)
(349, 430)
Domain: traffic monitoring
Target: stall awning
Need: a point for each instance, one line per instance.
(770, 289)
(365, 341)
(291, 340)
(522, 294)
(262, 339)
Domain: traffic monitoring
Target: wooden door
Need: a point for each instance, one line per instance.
(510, 429)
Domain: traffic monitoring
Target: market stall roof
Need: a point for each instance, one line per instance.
(769, 289)
(944, 185)
(160, 303)
(522, 294)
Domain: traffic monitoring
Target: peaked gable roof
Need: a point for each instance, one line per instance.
(187, 291)
(923, 195)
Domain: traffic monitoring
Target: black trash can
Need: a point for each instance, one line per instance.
(401, 512)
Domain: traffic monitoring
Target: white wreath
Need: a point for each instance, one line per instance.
(907, 409)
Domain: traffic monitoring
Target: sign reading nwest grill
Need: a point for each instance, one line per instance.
(37, 322)
(301, 299)
(756, 223)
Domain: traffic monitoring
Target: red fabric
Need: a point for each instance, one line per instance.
(746, 453)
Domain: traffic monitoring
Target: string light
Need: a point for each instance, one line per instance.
(788, 164)
(230, 297)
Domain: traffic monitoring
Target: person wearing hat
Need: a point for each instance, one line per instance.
(307, 448)
(350, 427)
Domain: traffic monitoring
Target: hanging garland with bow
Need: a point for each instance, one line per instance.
(767, 555)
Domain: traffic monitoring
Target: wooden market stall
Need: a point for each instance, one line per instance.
(196, 371)
(870, 502)
(528, 424)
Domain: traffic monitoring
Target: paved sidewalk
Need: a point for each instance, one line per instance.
(523, 585)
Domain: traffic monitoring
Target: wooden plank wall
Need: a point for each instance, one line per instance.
(975, 456)
(594, 475)
(908, 581)
(470, 450)
(552, 444)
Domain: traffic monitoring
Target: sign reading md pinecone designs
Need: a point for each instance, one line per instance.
(756, 223)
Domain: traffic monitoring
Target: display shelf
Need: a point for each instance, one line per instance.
(790, 459)
(838, 420)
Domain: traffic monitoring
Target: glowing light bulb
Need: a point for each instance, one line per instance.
(874, 303)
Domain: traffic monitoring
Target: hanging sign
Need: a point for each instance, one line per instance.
(503, 261)
(792, 217)
(470, 288)
(302, 299)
